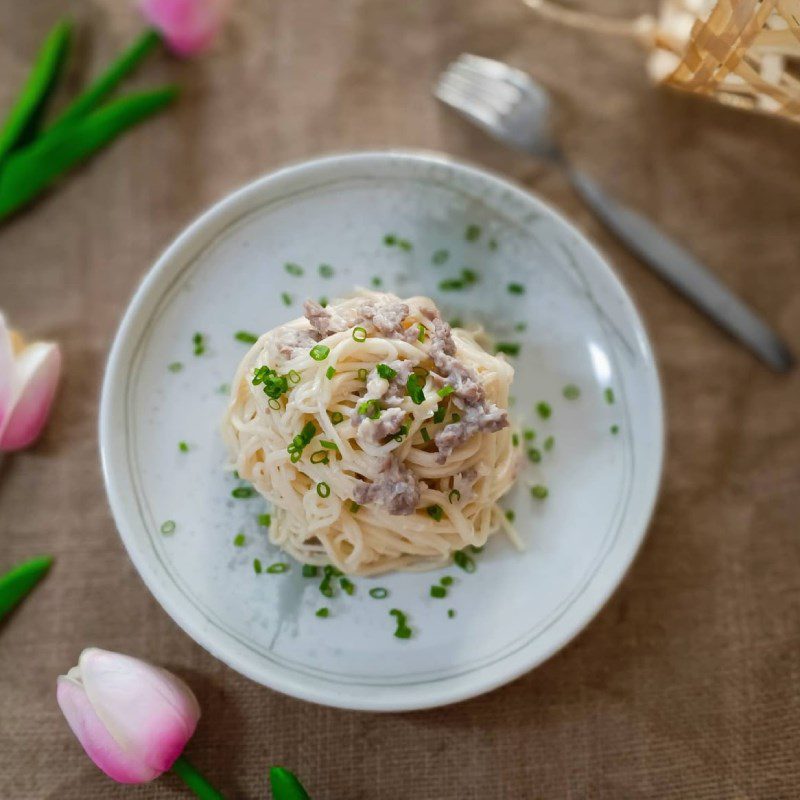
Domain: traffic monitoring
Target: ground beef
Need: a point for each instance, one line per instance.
(484, 416)
(323, 321)
(387, 316)
(290, 342)
(395, 488)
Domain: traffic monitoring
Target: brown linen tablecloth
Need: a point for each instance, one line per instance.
(687, 685)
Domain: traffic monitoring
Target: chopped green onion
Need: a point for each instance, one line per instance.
(277, 569)
(438, 415)
(609, 395)
(325, 586)
(521, 326)
(294, 376)
(354, 507)
(421, 334)
(307, 434)
(336, 417)
(287, 298)
(319, 352)
(438, 591)
(549, 443)
(323, 612)
(515, 288)
(293, 269)
(175, 366)
(404, 244)
(309, 571)
(475, 548)
(319, 457)
(329, 445)
(199, 342)
(445, 390)
(274, 404)
(493, 244)
(386, 372)
(379, 593)
(224, 388)
(414, 389)
(347, 585)
(420, 372)
(454, 496)
(451, 612)
(509, 348)
(511, 515)
(544, 410)
(534, 455)
(435, 512)
(377, 281)
(403, 631)
(469, 276)
(425, 436)
(515, 439)
(370, 408)
(183, 447)
(446, 580)
(326, 271)
(403, 431)
(472, 232)
(243, 492)
(464, 561)
(331, 570)
(455, 417)
(390, 240)
(168, 527)
(295, 456)
(257, 566)
(571, 391)
(362, 374)
(451, 285)
(239, 540)
(330, 372)
(529, 434)
(323, 489)
(615, 429)
(323, 301)
(244, 336)
(265, 520)
(440, 256)
(359, 334)
(539, 492)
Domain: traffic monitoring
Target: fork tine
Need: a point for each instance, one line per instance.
(466, 104)
(496, 69)
(482, 90)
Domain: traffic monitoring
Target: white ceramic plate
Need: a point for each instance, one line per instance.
(226, 273)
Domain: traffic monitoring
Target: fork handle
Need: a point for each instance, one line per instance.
(682, 270)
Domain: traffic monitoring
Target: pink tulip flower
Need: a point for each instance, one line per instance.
(28, 379)
(133, 719)
(188, 26)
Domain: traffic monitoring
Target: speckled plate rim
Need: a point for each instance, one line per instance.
(190, 243)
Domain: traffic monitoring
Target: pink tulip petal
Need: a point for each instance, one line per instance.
(38, 368)
(151, 712)
(188, 26)
(8, 371)
(95, 738)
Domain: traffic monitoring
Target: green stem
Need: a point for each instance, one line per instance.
(16, 584)
(285, 785)
(194, 780)
(89, 99)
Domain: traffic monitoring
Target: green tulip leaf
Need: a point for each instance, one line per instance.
(16, 584)
(285, 785)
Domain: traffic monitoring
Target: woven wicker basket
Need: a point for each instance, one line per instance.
(740, 52)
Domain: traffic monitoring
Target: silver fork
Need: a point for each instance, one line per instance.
(509, 105)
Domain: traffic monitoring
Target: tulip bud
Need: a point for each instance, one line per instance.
(188, 26)
(133, 719)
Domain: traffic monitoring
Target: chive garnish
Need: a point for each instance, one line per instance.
(183, 447)
(370, 408)
(402, 631)
(451, 285)
(278, 568)
(455, 417)
(336, 417)
(359, 334)
(319, 457)
(472, 233)
(521, 326)
(329, 445)
(544, 410)
(456, 322)
(287, 298)
(451, 612)
(323, 301)
(265, 520)
(438, 591)
(274, 404)
(326, 271)
(362, 374)
(515, 439)
(440, 256)
(319, 352)
(347, 585)
(199, 341)
(539, 492)
(571, 392)
(454, 496)
(293, 269)
(354, 507)
(509, 348)
(294, 376)
(377, 281)
(309, 571)
(475, 549)
(224, 388)
(325, 587)
(549, 443)
(438, 415)
(515, 288)
(446, 580)
(168, 527)
(511, 515)
(243, 492)
(529, 434)
(323, 612)
(469, 276)
(175, 366)
(323, 489)
(239, 540)
(421, 334)
(246, 337)
(493, 244)
(435, 512)
(534, 455)
(390, 240)
(609, 395)
(379, 593)
(386, 372)
(464, 561)
(445, 390)
(257, 566)
(615, 429)
(330, 372)
(404, 244)
(414, 389)
(424, 433)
